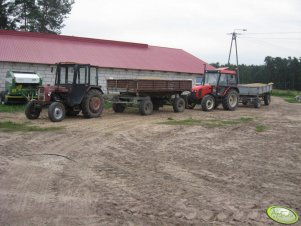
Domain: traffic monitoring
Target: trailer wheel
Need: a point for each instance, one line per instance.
(92, 104)
(179, 104)
(146, 107)
(208, 103)
(267, 99)
(118, 108)
(56, 112)
(31, 111)
(230, 100)
(244, 101)
(257, 103)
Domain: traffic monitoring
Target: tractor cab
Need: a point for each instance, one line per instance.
(75, 90)
(216, 82)
(215, 89)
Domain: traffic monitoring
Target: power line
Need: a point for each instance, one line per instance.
(273, 33)
(286, 38)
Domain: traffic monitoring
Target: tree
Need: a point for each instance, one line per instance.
(52, 14)
(6, 8)
(34, 15)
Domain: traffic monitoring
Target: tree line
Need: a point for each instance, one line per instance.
(34, 15)
(285, 73)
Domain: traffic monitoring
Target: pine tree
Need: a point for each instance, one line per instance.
(52, 14)
(6, 8)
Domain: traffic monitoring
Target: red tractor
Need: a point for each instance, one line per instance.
(219, 87)
(75, 90)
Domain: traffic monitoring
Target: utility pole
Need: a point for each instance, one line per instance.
(234, 36)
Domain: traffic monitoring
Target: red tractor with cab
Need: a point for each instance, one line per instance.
(75, 90)
(219, 87)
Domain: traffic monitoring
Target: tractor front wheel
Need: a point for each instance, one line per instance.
(230, 100)
(208, 103)
(31, 111)
(92, 104)
(56, 112)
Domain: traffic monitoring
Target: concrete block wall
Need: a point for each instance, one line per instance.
(47, 72)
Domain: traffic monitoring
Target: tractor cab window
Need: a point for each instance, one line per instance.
(231, 79)
(94, 76)
(223, 80)
(82, 76)
(66, 75)
(211, 78)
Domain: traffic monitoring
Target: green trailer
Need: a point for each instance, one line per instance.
(20, 87)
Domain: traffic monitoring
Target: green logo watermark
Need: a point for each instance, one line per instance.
(282, 215)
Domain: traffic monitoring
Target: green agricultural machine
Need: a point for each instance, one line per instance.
(20, 87)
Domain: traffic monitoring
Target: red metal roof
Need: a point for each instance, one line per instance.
(27, 47)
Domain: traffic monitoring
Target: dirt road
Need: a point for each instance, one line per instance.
(126, 169)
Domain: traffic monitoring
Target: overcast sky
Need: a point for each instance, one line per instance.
(199, 27)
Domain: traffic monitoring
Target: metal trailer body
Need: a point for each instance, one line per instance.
(20, 87)
(255, 93)
(147, 94)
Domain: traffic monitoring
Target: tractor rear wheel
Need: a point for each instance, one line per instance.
(118, 108)
(267, 99)
(56, 112)
(92, 104)
(31, 111)
(178, 104)
(146, 107)
(230, 100)
(208, 103)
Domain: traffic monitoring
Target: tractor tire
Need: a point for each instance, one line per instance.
(56, 112)
(267, 99)
(208, 103)
(146, 107)
(92, 104)
(178, 104)
(31, 111)
(118, 108)
(230, 100)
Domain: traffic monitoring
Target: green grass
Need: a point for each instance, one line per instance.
(107, 104)
(209, 123)
(287, 95)
(12, 108)
(260, 128)
(9, 126)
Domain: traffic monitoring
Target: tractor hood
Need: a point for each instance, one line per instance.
(201, 87)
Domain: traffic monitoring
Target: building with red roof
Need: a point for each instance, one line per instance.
(38, 52)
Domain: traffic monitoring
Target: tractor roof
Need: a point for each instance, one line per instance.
(223, 70)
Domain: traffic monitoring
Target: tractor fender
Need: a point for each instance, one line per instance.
(97, 88)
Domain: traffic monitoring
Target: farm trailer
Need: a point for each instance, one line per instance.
(147, 94)
(255, 93)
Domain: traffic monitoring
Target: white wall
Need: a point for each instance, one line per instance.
(104, 73)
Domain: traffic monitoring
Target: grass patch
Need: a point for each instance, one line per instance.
(107, 104)
(287, 95)
(9, 126)
(12, 108)
(260, 128)
(209, 123)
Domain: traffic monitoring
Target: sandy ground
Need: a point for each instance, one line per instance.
(126, 169)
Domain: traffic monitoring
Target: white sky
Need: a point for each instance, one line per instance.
(199, 27)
